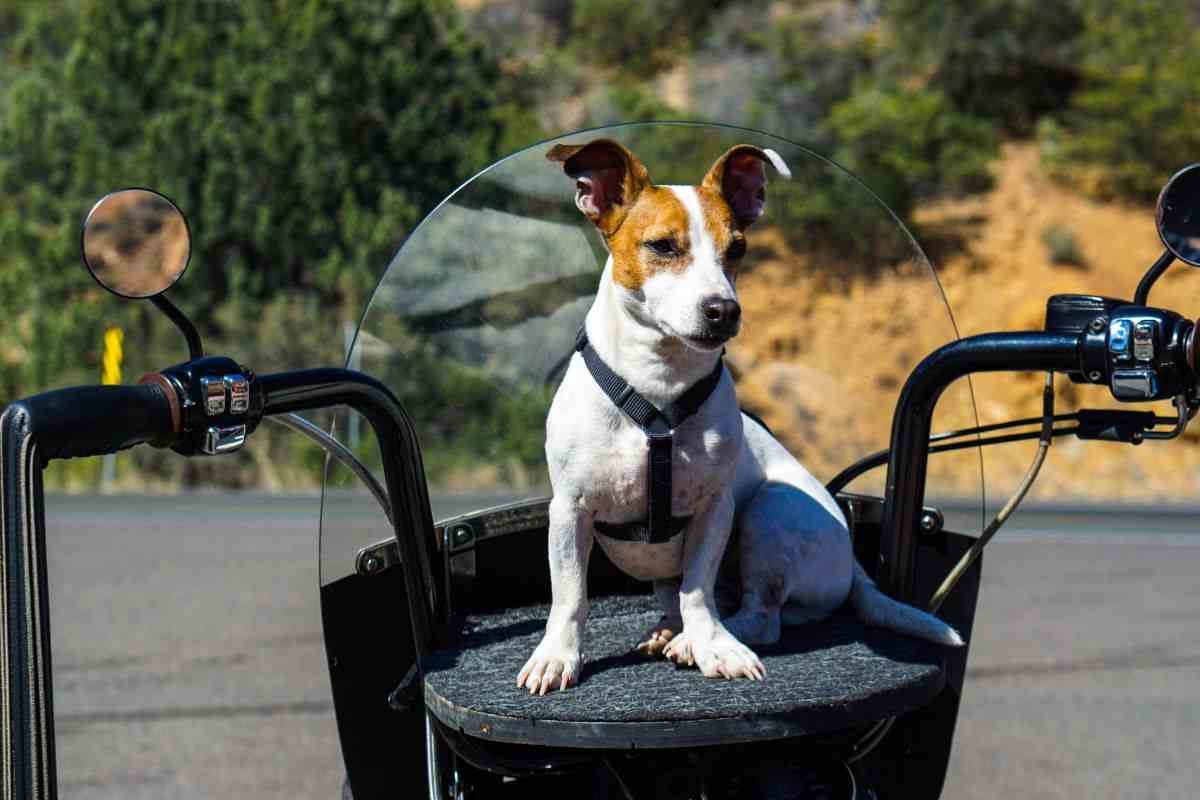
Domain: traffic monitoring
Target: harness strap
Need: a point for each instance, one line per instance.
(659, 426)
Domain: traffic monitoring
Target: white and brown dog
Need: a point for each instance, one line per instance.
(665, 308)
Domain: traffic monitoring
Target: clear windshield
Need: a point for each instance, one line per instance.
(476, 313)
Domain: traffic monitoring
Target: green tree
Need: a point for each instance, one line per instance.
(1133, 121)
(836, 77)
(640, 37)
(906, 143)
(1009, 61)
(303, 140)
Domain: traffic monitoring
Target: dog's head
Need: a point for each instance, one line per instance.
(675, 249)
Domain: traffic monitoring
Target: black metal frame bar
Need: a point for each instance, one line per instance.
(26, 695)
(909, 453)
(371, 769)
(37, 430)
(404, 473)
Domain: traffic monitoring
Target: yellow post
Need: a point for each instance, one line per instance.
(110, 369)
(110, 375)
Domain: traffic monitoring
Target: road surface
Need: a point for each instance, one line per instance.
(188, 658)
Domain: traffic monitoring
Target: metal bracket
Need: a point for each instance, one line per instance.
(460, 533)
(866, 510)
(376, 558)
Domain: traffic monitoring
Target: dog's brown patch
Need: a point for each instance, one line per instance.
(656, 216)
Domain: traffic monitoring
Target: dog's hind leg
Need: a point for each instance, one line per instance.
(758, 619)
(666, 592)
(795, 563)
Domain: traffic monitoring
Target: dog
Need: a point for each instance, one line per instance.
(664, 310)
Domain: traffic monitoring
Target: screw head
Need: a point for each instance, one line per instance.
(1094, 376)
(373, 564)
(461, 535)
(1096, 325)
(928, 523)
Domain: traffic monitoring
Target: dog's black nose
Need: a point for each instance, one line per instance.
(722, 315)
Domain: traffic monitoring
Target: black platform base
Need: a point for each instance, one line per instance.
(820, 678)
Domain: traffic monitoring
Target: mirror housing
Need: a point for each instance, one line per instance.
(1178, 215)
(136, 243)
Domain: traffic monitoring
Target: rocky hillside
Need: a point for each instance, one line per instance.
(830, 395)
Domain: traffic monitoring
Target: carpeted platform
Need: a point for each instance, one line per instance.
(820, 678)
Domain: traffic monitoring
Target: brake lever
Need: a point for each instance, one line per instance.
(1114, 425)
(1131, 427)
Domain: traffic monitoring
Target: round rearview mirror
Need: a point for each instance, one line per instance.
(1179, 215)
(136, 243)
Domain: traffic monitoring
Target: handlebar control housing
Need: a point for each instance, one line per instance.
(220, 403)
(1141, 353)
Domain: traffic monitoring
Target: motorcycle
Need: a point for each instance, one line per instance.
(452, 367)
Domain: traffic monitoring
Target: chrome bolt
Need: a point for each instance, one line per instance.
(373, 564)
(1094, 376)
(1096, 325)
(461, 535)
(929, 523)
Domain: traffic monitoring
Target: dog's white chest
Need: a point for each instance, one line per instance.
(599, 455)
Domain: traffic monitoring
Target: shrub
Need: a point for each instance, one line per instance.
(1008, 61)
(908, 142)
(1062, 246)
(1132, 123)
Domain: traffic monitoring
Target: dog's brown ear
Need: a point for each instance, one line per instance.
(608, 179)
(741, 177)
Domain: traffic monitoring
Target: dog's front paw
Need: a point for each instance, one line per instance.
(716, 653)
(552, 665)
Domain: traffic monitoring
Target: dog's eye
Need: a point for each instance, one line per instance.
(663, 247)
(736, 249)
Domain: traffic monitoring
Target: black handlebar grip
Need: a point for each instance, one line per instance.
(93, 420)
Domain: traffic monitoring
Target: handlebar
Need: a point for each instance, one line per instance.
(93, 420)
(1140, 353)
(904, 502)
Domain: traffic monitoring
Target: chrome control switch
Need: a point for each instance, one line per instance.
(1134, 384)
(223, 440)
(239, 393)
(213, 390)
(1118, 337)
(1143, 341)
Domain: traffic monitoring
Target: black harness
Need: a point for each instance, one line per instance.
(659, 426)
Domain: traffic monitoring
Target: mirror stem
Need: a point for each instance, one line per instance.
(183, 323)
(1154, 273)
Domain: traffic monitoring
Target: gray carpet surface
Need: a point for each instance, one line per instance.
(838, 665)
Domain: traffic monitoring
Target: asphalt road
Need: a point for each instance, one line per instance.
(188, 659)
